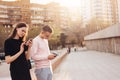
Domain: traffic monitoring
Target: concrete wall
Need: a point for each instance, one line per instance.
(58, 60)
(107, 40)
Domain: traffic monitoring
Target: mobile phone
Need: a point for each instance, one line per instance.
(55, 54)
(30, 39)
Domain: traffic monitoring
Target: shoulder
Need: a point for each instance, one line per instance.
(35, 39)
(8, 40)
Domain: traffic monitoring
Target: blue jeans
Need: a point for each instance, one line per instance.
(43, 74)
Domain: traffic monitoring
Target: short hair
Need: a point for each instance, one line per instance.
(47, 28)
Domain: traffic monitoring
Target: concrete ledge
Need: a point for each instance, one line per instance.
(58, 60)
(107, 40)
(110, 32)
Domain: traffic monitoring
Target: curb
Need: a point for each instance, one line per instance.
(58, 60)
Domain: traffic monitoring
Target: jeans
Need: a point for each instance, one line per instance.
(43, 74)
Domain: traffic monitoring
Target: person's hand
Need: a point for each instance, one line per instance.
(29, 43)
(51, 56)
(55, 54)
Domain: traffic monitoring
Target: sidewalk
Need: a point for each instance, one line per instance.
(89, 65)
(81, 65)
(4, 71)
(4, 68)
(5, 75)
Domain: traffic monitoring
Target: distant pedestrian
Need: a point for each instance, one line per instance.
(69, 49)
(17, 54)
(75, 49)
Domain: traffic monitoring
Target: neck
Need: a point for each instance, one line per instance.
(41, 36)
(16, 37)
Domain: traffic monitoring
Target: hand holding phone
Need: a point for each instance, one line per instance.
(29, 42)
(55, 54)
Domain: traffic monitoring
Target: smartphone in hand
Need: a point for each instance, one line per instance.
(55, 54)
(30, 39)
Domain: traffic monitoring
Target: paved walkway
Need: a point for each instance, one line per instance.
(4, 71)
(89, 65)
(5, 74)
(82, 65)
(4, 68)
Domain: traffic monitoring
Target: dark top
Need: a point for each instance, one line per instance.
(19, 67)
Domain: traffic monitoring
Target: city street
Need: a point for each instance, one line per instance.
(81, 65)
(84, 35)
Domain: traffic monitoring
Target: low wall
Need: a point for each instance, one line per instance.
(107, 40)
(58, 60)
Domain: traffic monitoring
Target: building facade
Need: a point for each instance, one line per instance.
(33, 14)
(119, 9)
(13, 12)
(99, 14)
(105, 11)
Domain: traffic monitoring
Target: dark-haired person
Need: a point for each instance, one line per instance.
(40, 53)
(16, 54)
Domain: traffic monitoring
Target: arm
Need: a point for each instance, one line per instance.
(34, 52)
(10, 59)
(43, 57)
(28, 54)
(37, 56)
(29, 44)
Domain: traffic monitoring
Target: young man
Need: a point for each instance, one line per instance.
(40, 53)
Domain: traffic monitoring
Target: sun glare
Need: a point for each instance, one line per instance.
(70, 3)
(66, 3)
(9, 0)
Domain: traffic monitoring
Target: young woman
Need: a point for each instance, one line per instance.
(17, 54)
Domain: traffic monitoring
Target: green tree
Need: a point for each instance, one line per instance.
(54, 41)
(75, 33)
(34, 31)
(4, 33)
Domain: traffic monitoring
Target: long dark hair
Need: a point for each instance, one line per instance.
(14, 32)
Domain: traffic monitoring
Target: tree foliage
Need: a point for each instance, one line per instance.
(4, 33)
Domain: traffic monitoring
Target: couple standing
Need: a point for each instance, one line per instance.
(18, 52)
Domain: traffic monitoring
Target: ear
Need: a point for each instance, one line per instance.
(42, 32)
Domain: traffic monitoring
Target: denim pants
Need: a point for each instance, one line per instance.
(43, 74)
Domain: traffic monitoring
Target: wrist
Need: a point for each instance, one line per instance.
(29, 47)
(20, 51)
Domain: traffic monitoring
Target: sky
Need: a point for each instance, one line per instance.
(66, 3)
